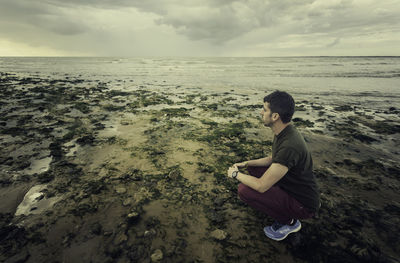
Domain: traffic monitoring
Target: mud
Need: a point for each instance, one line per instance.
(139, 176)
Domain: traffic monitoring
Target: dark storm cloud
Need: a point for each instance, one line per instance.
(220, 21)
(42, 15)
(214, 20)
(217, 23)
(346, 17)
(223, 20)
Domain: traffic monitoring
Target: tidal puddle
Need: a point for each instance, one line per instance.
(34, 201)
(39, 166)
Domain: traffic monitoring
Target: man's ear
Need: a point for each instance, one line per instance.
(275, 116)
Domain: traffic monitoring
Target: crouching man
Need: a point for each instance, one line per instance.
(282, 185)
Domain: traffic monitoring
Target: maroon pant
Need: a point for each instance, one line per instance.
(275, 202)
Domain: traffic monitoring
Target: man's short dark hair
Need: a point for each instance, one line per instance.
(282, 103)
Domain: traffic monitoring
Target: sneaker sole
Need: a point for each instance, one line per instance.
(282, 238)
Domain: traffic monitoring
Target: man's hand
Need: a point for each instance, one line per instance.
(240, 165)
(231, 170)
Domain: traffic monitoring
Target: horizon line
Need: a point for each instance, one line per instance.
(313, 56)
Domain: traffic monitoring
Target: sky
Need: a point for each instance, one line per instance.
(246, 28)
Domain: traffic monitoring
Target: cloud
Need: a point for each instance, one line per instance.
(137, 27)
(221, 21)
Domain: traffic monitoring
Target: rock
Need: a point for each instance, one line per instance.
(136, 253)
(127, 202)
(302, 122)
(157, 256)
(56, 150)
(107, 233)
(175, 174)
(218, 202)
(120, 190)
(149, 233)
(120, 238)
(330, 171)
(45, 177)
(219, 234)
(99, 126)
(88, 139)
(343, 108)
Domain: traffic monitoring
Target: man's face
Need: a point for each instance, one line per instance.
(267, 116)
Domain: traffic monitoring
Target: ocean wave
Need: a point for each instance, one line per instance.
(342, 94)
(340, 75)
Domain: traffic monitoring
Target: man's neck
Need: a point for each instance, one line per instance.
(279, 126)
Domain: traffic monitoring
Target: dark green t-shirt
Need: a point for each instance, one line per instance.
(290, 150)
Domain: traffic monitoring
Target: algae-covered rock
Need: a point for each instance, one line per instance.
(87, 139)
(304, 123)
(127, 202)
(120, 190)
(343, 108)
(149, 233)
(157, 256)
(219, 234)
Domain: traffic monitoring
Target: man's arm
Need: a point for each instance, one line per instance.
(266, 161)
(274, 173)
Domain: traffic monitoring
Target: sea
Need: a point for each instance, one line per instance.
(372, 82)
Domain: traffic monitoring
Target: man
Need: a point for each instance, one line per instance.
(282, 185)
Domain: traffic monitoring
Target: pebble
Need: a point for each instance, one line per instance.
(219, 234)
(157, 256)
(149, 233)
(107, 233)
(120, 190)
(330, 171)
(127, 202)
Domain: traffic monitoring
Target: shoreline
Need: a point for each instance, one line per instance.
(138, 175)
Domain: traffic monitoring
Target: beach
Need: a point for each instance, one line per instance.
(128, 171)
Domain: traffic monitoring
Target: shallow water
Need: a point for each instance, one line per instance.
(34, 202)
(39, 166)
(369, 81)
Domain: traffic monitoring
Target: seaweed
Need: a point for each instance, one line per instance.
(82, 107)
(175, 112)
(111, 107)
(343, 108)
(303, 123)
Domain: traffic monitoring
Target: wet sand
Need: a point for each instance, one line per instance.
(92, 173)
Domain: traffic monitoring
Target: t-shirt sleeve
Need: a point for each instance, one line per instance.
(287, 157)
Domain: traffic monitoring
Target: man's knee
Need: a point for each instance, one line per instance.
(244, 192)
